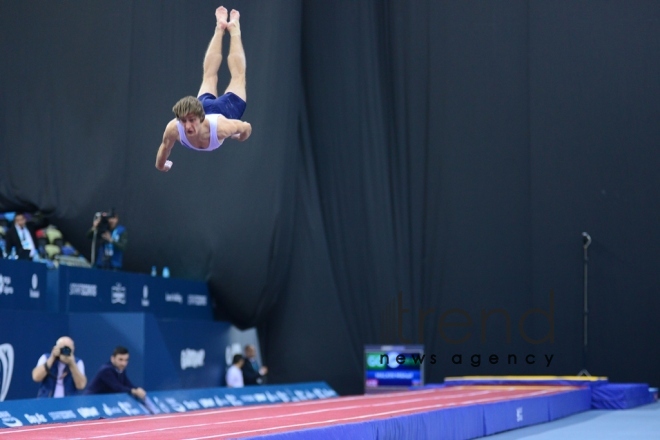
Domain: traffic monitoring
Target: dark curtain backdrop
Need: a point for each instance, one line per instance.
(413, 165)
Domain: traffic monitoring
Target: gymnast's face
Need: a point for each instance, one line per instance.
(191, 124)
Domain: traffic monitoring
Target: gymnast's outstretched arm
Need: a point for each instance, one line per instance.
(233, 128)
(169, 138)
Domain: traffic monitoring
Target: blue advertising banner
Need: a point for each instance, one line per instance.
(190, 400)
(78, 408)
(92, 290)
(171, 298)
(23, 286)
(185, 354)
(95, 290)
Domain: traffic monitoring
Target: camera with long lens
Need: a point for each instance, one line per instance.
(65, 351)
(104, 225)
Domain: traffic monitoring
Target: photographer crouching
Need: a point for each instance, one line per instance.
(110, 240)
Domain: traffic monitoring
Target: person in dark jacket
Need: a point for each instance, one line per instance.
(111, 377)
(253, 374)
(22, 238)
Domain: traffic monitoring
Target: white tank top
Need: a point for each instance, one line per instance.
(213, 135)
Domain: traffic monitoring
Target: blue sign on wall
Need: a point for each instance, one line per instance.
(164, 354)
(172, 298)
(193, 355)
(23, 286)
(95, 290)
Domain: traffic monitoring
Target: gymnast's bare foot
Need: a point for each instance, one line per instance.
(221, 18)
(233, 25)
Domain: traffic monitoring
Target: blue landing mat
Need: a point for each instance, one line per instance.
(456, 423)
(620, 396)
(604, 395)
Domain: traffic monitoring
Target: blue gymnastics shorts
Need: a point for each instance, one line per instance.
(228, 105)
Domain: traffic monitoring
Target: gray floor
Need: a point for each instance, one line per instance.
(632, 424)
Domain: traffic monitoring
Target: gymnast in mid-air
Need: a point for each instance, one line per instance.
(203, 123)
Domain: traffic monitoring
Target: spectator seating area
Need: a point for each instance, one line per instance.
(53, 248)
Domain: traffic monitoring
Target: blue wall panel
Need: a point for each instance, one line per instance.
(24, 337)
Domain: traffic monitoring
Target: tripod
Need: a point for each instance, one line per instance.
(586, 241)
(94, 237)
(94, 247)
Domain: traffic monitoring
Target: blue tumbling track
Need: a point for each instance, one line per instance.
(456, 423)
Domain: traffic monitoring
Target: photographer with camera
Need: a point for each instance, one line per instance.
(59, 373)
(110, 240)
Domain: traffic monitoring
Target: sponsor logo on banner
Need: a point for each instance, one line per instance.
(118, 295)
(145, 296)
(82, 289)
(8, 420)
(197, 300)
(324, 393)
(34, 292)
(163, 407)
(111, 410)
(173, 298)
(233, 400)
(191, 404)
(192, 358)
(36, 418)
(128, 408)
(62, 415)
(5, 287)
(86, 413)
(176, 406)
(207, 402)
(6, 369)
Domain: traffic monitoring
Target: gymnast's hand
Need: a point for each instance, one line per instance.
(167, 166)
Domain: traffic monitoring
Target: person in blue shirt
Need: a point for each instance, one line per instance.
(112, 379)
(112, 240)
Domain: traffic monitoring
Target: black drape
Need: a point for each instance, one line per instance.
(412, 164)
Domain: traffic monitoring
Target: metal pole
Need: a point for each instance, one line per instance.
(586, 241)
(586, 300)
(94, 246)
